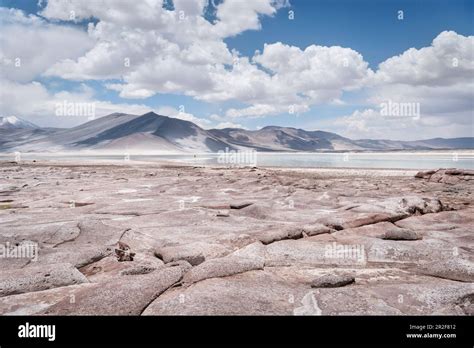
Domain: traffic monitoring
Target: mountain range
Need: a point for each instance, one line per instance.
(151, 132)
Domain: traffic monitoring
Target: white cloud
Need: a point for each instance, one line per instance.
(29, 45)
(138, 14)
(260, 110)
(183, 53)
(21, 99)
(169, 44)
(236, 16)
(370, 124)
(33, 102)
(182, 115)
(223, 125)
(297, 79)
(190, 7)
(448, 61)
(186, 54)
(440, 78)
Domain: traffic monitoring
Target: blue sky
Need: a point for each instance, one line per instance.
(369, 28)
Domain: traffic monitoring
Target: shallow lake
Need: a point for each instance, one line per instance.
(402, 160)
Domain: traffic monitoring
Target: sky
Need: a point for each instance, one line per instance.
(392, 69)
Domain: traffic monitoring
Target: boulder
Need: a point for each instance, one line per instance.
(222, 267)
(454, 268)
(313, 253)
(109, 267)
(249, 293)
(413, 252)
(429, 298)
(37, 278)
(252, 251)
(292, 232)
(127, 295)
(171, 254)
(32, 303)
(94, 241)
(256, 211)
(332, 281)
(450, 176)
(424, 174)
(79, 256)
(263, 293)
(401, 234)
(194, 253)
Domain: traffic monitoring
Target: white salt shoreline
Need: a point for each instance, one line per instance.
(333, 171)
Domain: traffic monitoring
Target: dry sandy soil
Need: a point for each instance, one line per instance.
(151, 239)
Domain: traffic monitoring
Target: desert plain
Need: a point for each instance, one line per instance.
(133, 238)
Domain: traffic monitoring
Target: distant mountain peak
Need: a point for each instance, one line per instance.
(154, 132)
(152, 113)
(13, 122)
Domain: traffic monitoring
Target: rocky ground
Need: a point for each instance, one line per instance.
(150, 239)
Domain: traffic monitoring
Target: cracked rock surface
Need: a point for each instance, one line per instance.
(239, 241)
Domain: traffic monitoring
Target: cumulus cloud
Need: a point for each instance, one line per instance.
(29, 45)
(372, 124)
(34, 102)
(438, 79)
(259, 110)
(234, 17)
(298, 79)
(151, 50)
(139, 14)
(45, 48)
(182, 115)
(448, 61)
(186, 54)
(155, 50)
(174, 47)
(223, 125)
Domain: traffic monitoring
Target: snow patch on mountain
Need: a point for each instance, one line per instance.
(16, 122)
